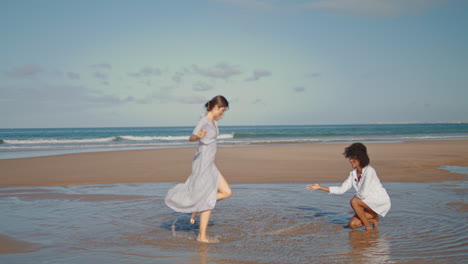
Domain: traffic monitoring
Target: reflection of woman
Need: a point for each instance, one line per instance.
(371, 199)
(368, 247)
(206, 184)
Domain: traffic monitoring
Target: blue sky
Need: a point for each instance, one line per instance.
(87, 63)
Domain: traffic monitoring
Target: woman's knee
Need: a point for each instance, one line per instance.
(227, 192)
(354, 223)
(224, 187)
(355, 202)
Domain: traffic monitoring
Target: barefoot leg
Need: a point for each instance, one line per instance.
(375, 221)
(354, 222)
(204, 219)
(363, 212)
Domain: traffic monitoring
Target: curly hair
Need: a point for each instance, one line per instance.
(357, 151)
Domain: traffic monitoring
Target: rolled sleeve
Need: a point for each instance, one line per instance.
(199, 126)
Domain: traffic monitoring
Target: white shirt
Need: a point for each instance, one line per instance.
(369, 190)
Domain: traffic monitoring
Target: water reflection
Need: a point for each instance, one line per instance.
(203, 253)
(368, 247)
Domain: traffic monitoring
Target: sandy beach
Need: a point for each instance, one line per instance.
(408, 169)
(418, 161)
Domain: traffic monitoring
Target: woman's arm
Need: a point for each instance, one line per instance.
(317, 186)
(344, 187)
(199, 136)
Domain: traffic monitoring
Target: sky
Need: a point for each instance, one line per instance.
(116, 63)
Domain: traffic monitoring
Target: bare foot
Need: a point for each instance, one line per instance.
(375, 222)
(192, 218)
(208, 240)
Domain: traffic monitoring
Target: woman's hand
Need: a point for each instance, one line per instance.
(313, 187)
(198, 136)
(317, 186)
(201, 133)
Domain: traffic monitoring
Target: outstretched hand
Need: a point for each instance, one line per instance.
(313, 187)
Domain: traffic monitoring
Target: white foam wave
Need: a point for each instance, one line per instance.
(226, 136)
(96, 146)
(171, 140)
(168, 138)
(333, 140)
(57, 141)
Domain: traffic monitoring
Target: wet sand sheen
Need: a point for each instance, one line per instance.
(10, 245)
(265, 223)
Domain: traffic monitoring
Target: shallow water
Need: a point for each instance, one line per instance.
(277, 223)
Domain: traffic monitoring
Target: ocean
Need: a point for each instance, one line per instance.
(35, 142)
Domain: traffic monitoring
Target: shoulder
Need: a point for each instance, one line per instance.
(203, 120)
(370, 170)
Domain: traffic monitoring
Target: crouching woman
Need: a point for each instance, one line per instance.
(371, 199)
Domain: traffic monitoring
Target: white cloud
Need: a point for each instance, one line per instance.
(299, 89)
(257, 74)
(361, 7)
(372, 7)
(257, 101)
(146, 72)
(60, 96)
(101, 76)
(25, 71)
(165, 95)
(106, 66)
(73, 76)
(108, 99)
(313, 75)
(201, 87)
(252, 4)
(177, 77)
(193, 99)
(219, 71)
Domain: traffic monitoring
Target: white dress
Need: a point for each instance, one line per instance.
(369, 190)
(199, 192)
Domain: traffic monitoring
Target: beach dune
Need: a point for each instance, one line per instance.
(418, 161)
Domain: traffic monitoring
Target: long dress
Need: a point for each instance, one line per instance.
(199, 192)
(369, 190)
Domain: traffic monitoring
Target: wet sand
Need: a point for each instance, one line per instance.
(260, 223)
(395, 162)
(10, 245)
(416, 162)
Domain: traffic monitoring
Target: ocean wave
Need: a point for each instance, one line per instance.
(56, 141)
(43, 141)
(148, 138)
(167, 138)
(96, 146)
(336, 140)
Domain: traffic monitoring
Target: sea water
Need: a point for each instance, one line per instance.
(260, 223)
(34, 142)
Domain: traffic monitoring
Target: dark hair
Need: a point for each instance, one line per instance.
(357, 151)
(219, 100)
